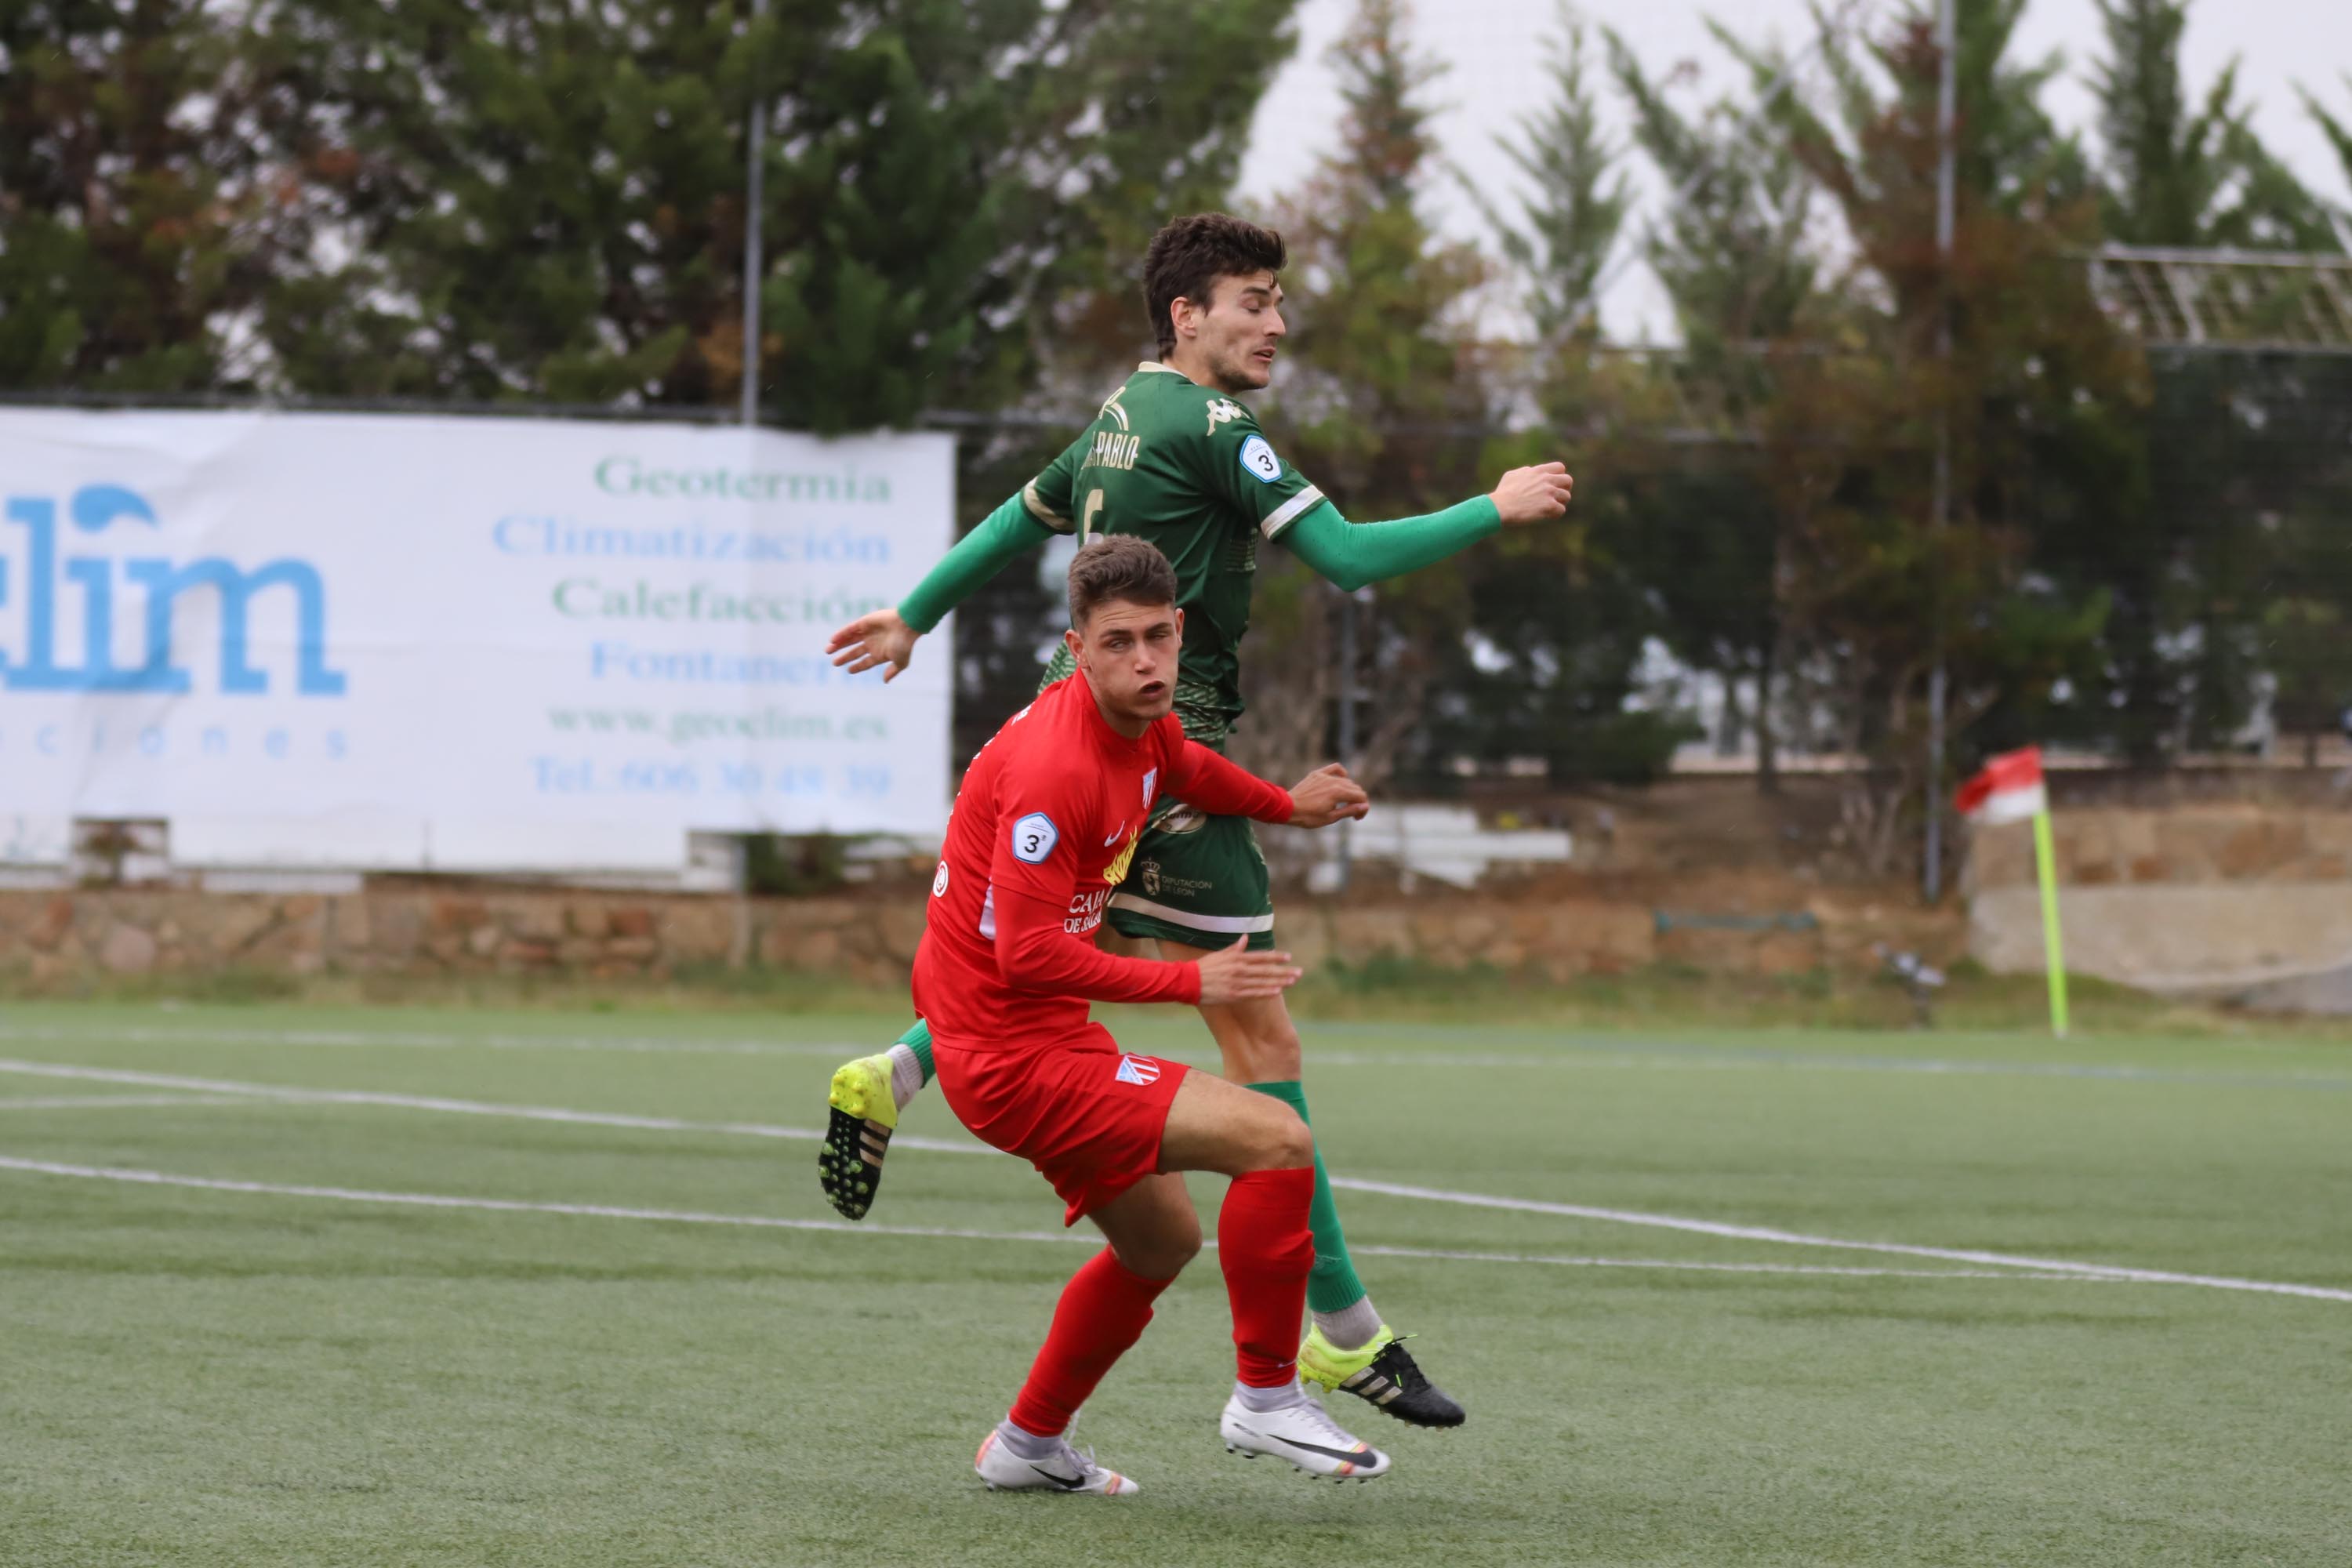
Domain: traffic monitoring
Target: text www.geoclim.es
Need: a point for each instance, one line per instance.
(685, 728)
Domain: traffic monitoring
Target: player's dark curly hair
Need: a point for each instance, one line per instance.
(1191, 254)
(1119, 566)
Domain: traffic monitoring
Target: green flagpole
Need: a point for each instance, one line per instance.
(2045, 861)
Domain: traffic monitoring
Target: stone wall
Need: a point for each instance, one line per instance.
(2180, 846)
(867, 938)
(48, 936)
(2214, 899)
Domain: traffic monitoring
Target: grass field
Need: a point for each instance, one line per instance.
(479, 1288)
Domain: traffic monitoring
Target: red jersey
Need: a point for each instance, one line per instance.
(1043, 829)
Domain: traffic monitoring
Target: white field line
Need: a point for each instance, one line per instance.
(772, 1222)
(1797, 1238)
(265, 1092)
(1388, 1189)
(417, 1039)
(109, 1102)
(1677, 1060)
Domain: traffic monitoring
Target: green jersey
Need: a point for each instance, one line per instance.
(1187, 468)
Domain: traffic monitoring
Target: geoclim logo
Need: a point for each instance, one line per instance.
(105, 584)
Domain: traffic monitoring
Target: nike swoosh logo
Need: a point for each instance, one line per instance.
(1064, 1483)
(1354, 1456)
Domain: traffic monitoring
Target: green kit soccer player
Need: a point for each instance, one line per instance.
(1174, 460)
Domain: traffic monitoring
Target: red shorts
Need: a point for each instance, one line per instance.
(1086, 1114)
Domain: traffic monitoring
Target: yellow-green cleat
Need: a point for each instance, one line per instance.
(1382, 1372)
(864, 1115)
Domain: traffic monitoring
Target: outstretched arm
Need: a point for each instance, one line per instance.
(1199, 778)
(1005, 535)
(1354, 553)
(1020, 525)
(889, 637)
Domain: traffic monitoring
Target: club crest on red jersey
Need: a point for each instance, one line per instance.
(1137, 1071)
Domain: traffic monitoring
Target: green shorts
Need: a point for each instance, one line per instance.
(1197, 879)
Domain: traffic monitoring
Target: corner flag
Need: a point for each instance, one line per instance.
(2010, 789)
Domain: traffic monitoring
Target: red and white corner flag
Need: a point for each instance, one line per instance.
(2008, 790)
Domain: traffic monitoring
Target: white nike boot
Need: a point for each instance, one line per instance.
(1304, 1434)
(1064, 1470)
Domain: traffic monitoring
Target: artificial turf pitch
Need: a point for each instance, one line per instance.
(219, 1375)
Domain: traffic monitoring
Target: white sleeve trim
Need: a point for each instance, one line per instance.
(1291, 511)
(1041, 512)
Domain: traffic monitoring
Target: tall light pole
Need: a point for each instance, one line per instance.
(755, 137)
(1939, 505)
(1348, 611)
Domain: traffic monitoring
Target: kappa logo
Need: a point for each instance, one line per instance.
(1140, 1070)
(1223, 411)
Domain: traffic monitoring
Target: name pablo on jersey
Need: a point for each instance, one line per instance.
(1113, 450)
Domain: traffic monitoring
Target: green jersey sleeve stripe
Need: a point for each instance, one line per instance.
(1289, 511)
(1042, 512)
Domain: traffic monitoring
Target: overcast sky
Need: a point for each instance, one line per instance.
(1497, 51)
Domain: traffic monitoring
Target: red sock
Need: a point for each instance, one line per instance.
(1103, 1310)
(1266, 1250)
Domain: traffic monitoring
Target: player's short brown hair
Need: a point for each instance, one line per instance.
(1191, 254)
(1119, 566)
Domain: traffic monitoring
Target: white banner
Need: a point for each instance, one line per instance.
(296, 632)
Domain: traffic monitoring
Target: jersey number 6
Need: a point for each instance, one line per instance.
(1087, 518)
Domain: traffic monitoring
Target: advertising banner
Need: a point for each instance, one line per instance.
(397, 628)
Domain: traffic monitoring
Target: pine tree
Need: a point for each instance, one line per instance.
(2179, 169)
(2174, 175)
(2339, 131)
(1378, 366)
(543, 200)
(1732, 252)
(139, 217)
(536, 199)
(2031, 393)
(1380, 328)
(1568, 226)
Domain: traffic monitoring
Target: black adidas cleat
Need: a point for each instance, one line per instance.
(856, 1136)
(1382, 1373)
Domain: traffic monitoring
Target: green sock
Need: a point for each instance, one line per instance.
(919, 1040)
(1333, 1287)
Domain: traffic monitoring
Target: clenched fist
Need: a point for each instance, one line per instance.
(1533, 495)
(1327, 796)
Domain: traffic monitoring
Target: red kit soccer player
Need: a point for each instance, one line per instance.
(1042, 830)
